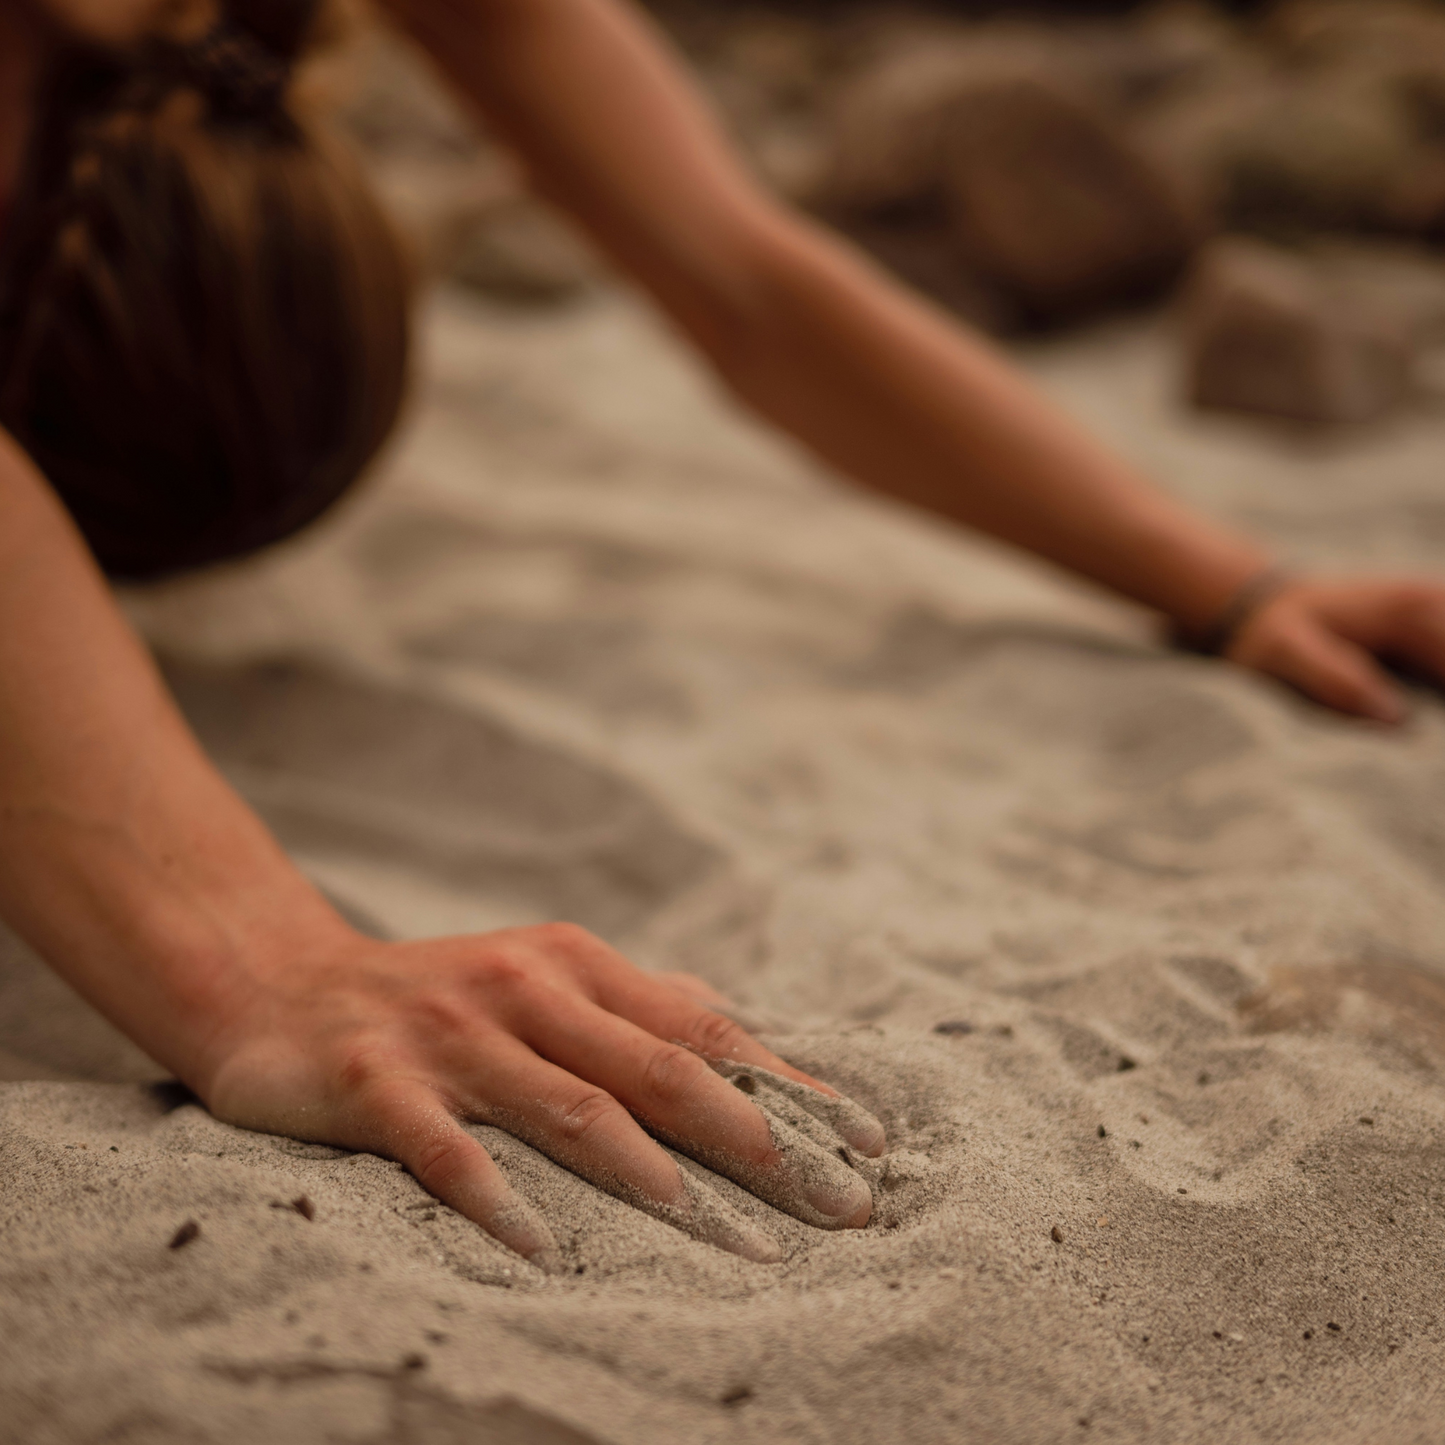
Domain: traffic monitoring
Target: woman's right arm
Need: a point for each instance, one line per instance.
(129, 863)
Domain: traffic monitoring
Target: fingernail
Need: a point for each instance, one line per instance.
(840, 1199)
(865, 1135)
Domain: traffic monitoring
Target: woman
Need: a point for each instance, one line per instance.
(201, 344)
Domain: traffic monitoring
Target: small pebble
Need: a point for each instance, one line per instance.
(414, 1362)
(304, 1207)
(1103, 1221)
(1331, 1325)
(737, 1395)
(1056, 1234)
(953, 1026)
(185, 1234)
(746, 1083)
(1103, 1132)
(1183, 1191)
(1309, 1334)
(1126, 1063)
(1365, 1119)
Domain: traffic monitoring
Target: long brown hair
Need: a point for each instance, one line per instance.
(203, 313)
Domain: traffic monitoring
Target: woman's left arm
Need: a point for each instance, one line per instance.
(870, 377)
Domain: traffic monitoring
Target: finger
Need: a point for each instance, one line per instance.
(805, 1108)
(408, 1122)
(586, 1130)
(687, 1104)
(626, 991)
(724, 1042)
(1334, 672)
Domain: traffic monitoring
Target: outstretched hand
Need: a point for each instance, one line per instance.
(1328, 639)
(548, 1033)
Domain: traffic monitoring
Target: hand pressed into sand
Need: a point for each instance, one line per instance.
(548, 1033)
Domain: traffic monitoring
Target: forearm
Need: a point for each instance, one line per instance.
(896, 396)
(125, 859)
(813, 337)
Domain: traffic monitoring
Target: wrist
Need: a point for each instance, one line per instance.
(1192, 573)
(175, 949)
(1218, 635)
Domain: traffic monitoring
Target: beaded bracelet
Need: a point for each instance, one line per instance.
(1217, 638)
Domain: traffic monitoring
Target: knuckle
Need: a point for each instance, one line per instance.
(439, 1163)
(567, 939)
(502, 971)
(717, 1035)
(360, 1066)
(585, 1113)
(672, 1072)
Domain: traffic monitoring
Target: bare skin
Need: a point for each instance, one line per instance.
(130, 864)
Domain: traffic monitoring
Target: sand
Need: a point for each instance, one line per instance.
(591, 646)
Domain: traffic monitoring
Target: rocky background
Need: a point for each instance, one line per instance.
(1276, 172)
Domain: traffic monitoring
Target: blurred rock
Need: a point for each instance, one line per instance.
(1333, 120)
(997, 134)
(1397, 47)
(1056, 205)
(889, 123)
(1266, 332)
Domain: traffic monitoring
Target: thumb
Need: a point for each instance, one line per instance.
(1334, 672)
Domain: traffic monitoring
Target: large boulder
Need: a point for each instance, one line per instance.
(1055, 203)
(1009, 160)
(1268, 332)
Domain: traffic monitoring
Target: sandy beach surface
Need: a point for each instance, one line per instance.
(1141, 960)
